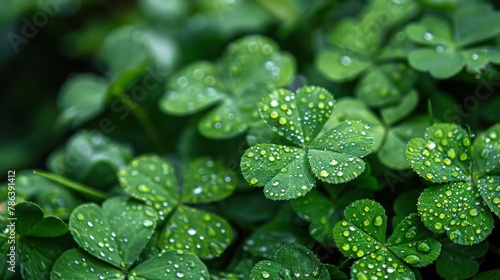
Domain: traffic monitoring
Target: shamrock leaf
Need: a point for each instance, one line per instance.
(460, 207)
(458, 261)
(292, 261)
(386, 85)
(90, 158)
(287, 172)
(115, 233)
(32, 222)
(75, 264)
(447, 49)
(153, 180)
(362, 235)
(392, 133)
(250, 68)
(356, 44)
(323, 212)
(81, 98)
(38, 238)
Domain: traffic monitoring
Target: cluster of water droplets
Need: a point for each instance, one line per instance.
(298, 116)
(152, 180)
(204, 234)
(443, 156)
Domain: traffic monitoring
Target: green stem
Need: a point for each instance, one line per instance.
(343, 264)
(145, 121)
(72, 185)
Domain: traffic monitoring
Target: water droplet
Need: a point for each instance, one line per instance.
(191, 231)
(428, 36)
(143, 188)
(147, 223)
(345, 60)
(424, 247)
(180, 274)
(475, 56)
(378, 221)
(254, 181)
(412, 259)
(439, 49)
(265, 274)
(80, 217)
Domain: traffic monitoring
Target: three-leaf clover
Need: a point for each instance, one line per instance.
(356, 44)
(446, 49)
(292, 261)
(287, 172)
(470, 171)
(153, 180)
(250, 68)
(362, 236)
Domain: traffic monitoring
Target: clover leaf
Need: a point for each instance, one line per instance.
(287, 172)
(81, 98)
(323, 211)
(90, 158)
(391, 133)
(75, 264)
(115, 233)
(250, 68)
(460, 206)
(458, 261)
(362, 236)
(446, 49)
(153, 180)
(38, 239)
(292, 261)
(356, 44)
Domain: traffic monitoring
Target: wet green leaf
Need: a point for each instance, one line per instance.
(399, 111)
(292, 261)
(323, 212)
(202, 233)
(488, 275)
(37, 255)
(338, 66)
(386, 84)
(458, 210)
(489, 187)
(348, 108)
(333, 157)
(81, 98)
(451, 47)
(194, 88)
(458, 261)
(486, 152)
(362, 236)
(115, 233)
(32, 222)
(413, 243)
(151, 179)
(299, 117)
(76, 264)
(250, 68)
(444, 154)
(206, 181)
(92, 158)
(171, 265)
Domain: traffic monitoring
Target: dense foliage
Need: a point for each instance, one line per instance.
(240, 139)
